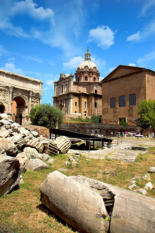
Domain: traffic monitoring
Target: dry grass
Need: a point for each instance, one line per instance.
(22, 211)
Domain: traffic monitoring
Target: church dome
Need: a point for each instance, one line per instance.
(87, 62)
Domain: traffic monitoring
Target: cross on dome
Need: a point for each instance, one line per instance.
(87, 55)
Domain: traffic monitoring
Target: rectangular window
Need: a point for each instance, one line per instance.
(75, 103)
(132, 99)
(95, 104)
(122, 101)
(112, 102)
(85, 104)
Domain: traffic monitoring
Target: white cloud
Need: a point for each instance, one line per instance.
(12, 68)
(32, 9)
(143, 61)
(103, 36)
(10, 29)
(131, 64)
(73, 62)
(147, 32)
(134, 37)
(147, 6)
(60, 29)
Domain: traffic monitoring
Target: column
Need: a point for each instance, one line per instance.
(10, 99)
(29, 101)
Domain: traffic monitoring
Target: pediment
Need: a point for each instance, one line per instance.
(122, 71)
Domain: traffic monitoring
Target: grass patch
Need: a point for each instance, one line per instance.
(20, 209)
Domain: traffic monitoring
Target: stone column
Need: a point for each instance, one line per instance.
(70, 105)
(29, 101)
(10, 99)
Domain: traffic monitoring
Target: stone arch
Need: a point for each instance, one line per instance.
(2, 108)
(17, 109)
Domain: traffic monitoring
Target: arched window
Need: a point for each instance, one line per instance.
(94, 79)
(2, 108)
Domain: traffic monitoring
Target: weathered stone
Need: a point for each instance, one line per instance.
(24, 131)
(142, 191)
(8, 146)
(132, 212)
(45, 157)
(147, 177)
(31, 153)
(132, 186)
(9, 174)
(152, 169)
(4, 133)
(36, 143)
(77, 204)
(149, 186)
(4, 116)
(36, 164)
(2, 151)
(63, 143)
(50, 161)
(5, 122)
(35, 133)
(23, 160)
(51, 148)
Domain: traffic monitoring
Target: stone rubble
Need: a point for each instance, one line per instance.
(30, 151)
(9, 174)
(149, 186)
(152, 169)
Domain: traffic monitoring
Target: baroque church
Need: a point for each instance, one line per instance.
(82, 97)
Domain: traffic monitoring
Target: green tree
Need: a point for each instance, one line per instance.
(46, 115)
(96, 119)
(146, 111)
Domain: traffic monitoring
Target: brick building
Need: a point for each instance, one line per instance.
(123, 90)
(82, 97)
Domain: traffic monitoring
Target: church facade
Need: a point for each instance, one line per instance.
(18, 94)
(82, 97)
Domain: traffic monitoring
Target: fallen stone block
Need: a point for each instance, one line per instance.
(4, 133)
(87, 204)
(31, 153)
(51, 148)
(36, 164)
(149, 186)
(63, 143)
(8, 146)
(23, 160)
(152, 170)
(77, 204)
(9, 174)
(35, 143)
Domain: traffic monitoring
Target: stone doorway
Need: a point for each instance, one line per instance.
(2, 108)
(18, 108)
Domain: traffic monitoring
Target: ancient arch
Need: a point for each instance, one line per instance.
(18, 109)
(2, 108)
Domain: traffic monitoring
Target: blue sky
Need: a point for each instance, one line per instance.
(43, 38)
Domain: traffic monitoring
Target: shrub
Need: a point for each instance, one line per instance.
(46, 115)
(146, 111)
